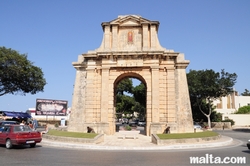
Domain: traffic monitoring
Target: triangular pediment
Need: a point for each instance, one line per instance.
(129, 20)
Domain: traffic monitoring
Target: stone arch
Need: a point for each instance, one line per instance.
(131, 74)
(142, 56)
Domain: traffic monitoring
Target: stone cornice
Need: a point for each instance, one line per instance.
(182, 65)
(129, 53)
(138, 21)
(79, 65)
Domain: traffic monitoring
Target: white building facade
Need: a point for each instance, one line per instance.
(230, 104)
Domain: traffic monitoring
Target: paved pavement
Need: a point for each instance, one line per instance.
(142, 143)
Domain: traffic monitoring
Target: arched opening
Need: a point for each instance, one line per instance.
(130, 93)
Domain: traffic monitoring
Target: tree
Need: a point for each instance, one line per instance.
(18, 75)
(124, 104)
(205, 86)
(198, 116)
(125, 85)
(124, 98)
(140, 97)
(130, 99)
(246, 93)
(141, 110)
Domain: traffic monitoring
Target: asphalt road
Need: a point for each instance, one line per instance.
(39, 156)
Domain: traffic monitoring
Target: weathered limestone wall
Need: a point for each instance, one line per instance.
(183, 107)
(77, 119)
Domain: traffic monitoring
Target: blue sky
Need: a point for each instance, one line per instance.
(212, 34)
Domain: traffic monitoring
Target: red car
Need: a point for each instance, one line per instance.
(19, 135)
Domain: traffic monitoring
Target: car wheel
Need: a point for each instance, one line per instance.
(8, 144)
(33, 145)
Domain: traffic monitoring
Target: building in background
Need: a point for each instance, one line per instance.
(230, 104)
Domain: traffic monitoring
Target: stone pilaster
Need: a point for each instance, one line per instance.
(107, 37)
(153, 37)
(104, 96)
(114, 37)
(171, 97)
(145, 37)
(155, 94)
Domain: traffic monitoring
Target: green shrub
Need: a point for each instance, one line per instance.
(127, 127)
(229, 120)
(216, 116)
(56, 125)
(243, 110)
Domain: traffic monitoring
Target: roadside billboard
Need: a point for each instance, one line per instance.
(51, 107)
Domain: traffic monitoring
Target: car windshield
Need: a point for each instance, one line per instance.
(22, 128)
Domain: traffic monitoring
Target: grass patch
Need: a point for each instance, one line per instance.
(71, 134)
(188, 135)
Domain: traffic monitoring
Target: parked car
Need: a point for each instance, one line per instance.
(133, 123)
(124, 121)
(248, 144)
(141, 123)
(19, 135)
(3, 123)
(197, 126)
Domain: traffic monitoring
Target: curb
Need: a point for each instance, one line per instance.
(224, 142)
(97, 139)
(242, 129)
(158, 141)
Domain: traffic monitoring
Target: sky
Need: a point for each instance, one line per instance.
(212, 34)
